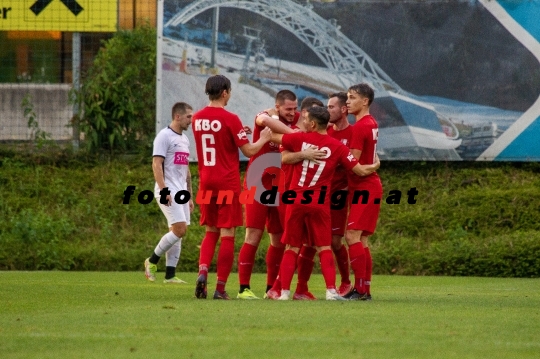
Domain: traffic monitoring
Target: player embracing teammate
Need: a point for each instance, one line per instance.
(364, 211)
(308, 219)
(307, 216)
(218, 135)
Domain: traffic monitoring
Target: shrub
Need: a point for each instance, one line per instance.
(118, 92)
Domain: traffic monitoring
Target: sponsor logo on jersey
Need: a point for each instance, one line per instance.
(207, 125)
(181, 158)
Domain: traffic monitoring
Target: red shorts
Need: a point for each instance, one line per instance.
(258, 215)
(221, 215)
(308, 225)
(339, 221)
(363, 217)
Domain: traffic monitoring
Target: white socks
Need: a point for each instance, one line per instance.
(168, 242)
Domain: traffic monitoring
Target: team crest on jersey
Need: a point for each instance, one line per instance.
(375, 132)
(350, 157)
(242, 135)
(181, 158)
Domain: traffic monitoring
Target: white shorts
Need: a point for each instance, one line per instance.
(175, 212)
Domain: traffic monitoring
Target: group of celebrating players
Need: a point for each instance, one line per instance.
(323, 158)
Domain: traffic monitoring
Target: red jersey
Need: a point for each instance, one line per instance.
(365, 135)
(269, 179)
(287, 168)
(218, 134)
(311, 176)
(339, 181)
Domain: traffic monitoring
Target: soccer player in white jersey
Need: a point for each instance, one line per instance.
(172, 191)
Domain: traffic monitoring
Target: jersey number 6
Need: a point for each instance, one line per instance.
(209, 153)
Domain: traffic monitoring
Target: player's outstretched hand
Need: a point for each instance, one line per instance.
(313, 153)
(247, 130)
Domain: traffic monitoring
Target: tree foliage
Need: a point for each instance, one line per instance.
(118, 92)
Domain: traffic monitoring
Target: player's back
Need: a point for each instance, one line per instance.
(218, 133)
(308, 175)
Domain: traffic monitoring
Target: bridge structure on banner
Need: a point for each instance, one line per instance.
(415, 130)
(343, 57)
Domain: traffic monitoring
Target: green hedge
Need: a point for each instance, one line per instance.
(469, 219)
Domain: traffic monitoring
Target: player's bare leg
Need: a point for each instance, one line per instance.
(342, 259)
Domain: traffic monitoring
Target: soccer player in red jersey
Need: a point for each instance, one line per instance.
(342, 131)
(365, 193)
(281, 119)
(218, 135)
(305, 262)
(308, 210)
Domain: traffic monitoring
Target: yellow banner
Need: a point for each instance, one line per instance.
(59, 15)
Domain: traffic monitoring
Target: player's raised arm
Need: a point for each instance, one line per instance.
(250, 149)
(265, 120)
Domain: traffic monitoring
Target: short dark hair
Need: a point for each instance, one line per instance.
(215, 85)
(283, 95)
(365, 90)
(181, 108)
(319, 114)
(309, 102)
(342, 97)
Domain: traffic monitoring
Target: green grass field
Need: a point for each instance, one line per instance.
(121, 315)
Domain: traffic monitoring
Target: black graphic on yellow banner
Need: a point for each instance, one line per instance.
(59, 15)
(72, 5)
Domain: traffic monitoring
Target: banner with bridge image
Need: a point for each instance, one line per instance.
(453, 80)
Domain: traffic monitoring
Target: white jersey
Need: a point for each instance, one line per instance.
(174, 148)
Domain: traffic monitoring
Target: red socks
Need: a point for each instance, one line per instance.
(369, 269)
(273, 261)
(342, 259)
(208, 247)
(224, 261)
(246, 260)
(305, 267)
(286, 272)
(328, 268)
(357, 257)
